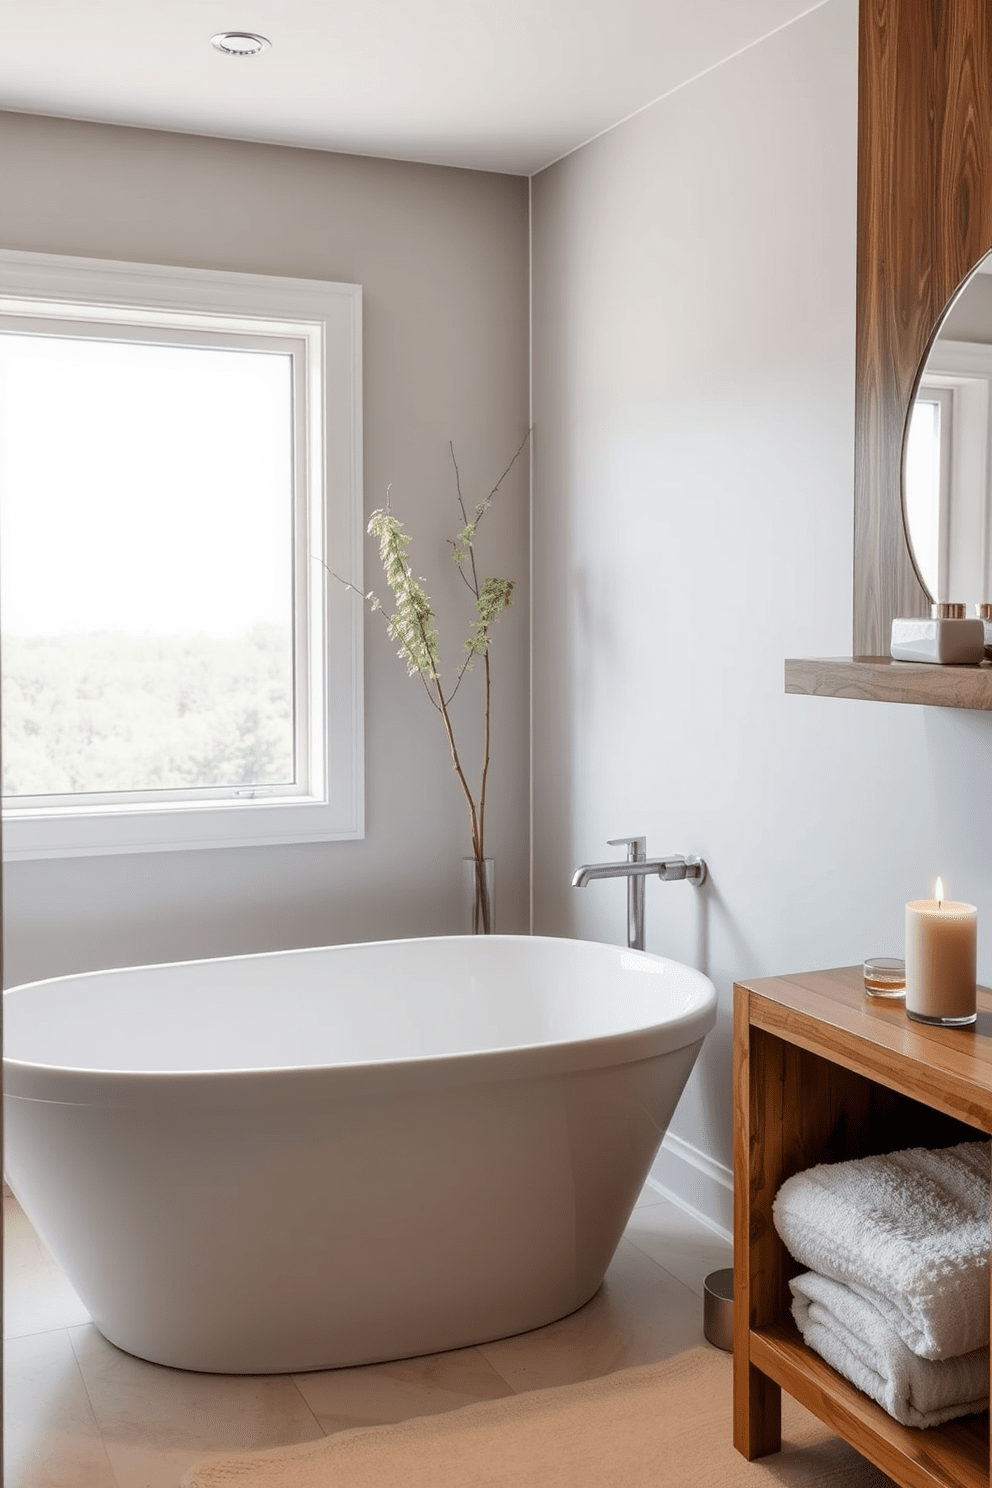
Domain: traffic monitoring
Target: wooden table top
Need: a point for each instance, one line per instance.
(829, 1013)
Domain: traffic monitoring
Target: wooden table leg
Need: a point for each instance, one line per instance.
(757, 1279)
(757, 1412)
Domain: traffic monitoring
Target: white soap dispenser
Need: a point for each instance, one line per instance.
(947, 638)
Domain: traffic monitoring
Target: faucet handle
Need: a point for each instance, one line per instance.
(637, 847)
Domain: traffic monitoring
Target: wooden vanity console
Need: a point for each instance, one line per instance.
(823, 1073)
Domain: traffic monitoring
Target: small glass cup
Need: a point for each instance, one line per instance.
(885, 976)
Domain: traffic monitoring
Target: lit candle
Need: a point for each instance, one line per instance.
(941, 960)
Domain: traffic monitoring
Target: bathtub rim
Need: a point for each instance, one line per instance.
(72, 1085)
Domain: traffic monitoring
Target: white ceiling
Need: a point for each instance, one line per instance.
(507, 85)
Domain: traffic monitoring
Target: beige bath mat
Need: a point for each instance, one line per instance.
(660, 1426)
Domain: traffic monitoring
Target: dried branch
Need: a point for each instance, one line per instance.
(412, 626)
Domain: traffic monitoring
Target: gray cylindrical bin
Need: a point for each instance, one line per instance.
(718, 1309)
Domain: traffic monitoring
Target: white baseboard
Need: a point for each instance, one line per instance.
(692, 1179)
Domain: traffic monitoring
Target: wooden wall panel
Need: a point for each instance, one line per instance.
(924, 220)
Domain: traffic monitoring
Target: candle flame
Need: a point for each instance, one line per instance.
(939, 892)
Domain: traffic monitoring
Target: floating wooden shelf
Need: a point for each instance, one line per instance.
(823, 1073)
(879, 679)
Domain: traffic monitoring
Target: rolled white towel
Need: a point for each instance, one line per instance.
(853, 1337)
(908, 1231)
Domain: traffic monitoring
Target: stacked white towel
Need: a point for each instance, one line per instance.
(897, 1298)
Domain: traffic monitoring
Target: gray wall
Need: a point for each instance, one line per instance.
(442, 255)
(694, 291)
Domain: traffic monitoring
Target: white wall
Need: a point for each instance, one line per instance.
(694, 292)
(442, 256)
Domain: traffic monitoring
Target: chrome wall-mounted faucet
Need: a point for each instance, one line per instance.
(637, 867)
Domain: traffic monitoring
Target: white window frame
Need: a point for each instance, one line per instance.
(962, 370)
(321, 321)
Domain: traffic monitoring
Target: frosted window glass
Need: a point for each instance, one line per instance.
(146, 565)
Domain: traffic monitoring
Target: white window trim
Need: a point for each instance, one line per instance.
(328, 317)
(964, 368)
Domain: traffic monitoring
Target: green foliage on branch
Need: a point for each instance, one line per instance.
(494, 597)
(106, 711)
(412, 622)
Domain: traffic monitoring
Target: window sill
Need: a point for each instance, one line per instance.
(184, 828)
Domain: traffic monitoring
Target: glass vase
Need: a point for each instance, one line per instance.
(479, 895)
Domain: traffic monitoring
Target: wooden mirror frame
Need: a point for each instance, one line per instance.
(924, 221)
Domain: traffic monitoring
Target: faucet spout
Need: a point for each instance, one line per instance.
(589, 871)
(638, 867)
(670, 869)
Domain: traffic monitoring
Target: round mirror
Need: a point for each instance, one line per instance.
(947, 460)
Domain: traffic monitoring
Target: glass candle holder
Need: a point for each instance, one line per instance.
(885, 976)
(941, 961)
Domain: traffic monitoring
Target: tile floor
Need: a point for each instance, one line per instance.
(79, 1413)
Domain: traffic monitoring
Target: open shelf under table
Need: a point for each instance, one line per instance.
(956, 1453)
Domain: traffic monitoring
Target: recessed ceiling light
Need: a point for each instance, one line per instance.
(240, 43)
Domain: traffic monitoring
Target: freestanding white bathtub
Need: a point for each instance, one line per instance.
(315, 1158)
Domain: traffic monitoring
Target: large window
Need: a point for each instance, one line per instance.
(179, 480)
